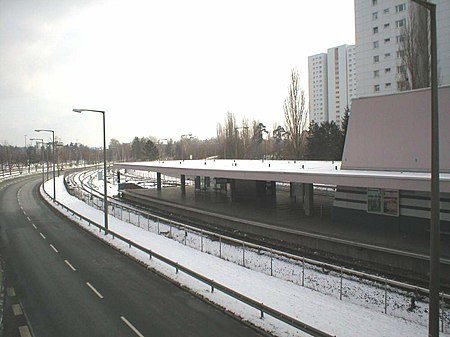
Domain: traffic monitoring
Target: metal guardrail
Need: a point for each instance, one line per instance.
(264, 309)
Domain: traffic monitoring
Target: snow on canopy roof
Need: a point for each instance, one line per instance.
(291, 171)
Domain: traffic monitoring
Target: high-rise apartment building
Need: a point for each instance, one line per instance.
(379, 29)
(318, 88)
(341, 81)
(332, 83)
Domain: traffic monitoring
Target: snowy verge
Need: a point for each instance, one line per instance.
(321, 311)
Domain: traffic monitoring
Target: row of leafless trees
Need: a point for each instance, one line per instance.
(22, 159)
(244, 139)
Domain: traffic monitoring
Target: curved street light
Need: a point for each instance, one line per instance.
(105, 182)
(53, 150)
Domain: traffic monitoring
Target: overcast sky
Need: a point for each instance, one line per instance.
(158, 68)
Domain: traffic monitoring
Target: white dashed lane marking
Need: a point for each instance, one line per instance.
(70, 265)
(53, 247)
(94, 290)
(24, 331)
(17, 310)
(136, 331)
(43, 236)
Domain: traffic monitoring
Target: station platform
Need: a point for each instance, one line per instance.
(287, 212)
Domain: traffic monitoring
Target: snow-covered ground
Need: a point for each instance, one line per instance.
(323, 311)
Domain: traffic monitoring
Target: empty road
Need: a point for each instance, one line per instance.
(71, 284)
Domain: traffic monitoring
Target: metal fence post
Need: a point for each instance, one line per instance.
(385, 296)
(303, 271)
(271, 262)
(201, 241)
(340, 288)
(243, 253)
(220, 246)
(442, 312)
(158, 227)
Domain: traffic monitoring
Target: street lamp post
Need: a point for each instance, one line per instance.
(105, 182)
(42, 150)
(160, 143)
(236, 134)
(53, 150)
(433, 313)
(186, 136)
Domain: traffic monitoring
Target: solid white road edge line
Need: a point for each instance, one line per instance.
(136, 331)
(94, 290)
(70, 265)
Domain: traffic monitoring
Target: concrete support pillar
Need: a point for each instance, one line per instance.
(183, 184)
(158, 181)
(308, 204)
(197, 183)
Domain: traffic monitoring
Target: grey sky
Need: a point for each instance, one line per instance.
(158, 68)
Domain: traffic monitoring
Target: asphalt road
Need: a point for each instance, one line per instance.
(70, 284)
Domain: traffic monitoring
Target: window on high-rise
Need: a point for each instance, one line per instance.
(400, 38)
(375, 30)
(400, 8)
(375, 44)
(376, 59)
(400, 23)
(376, 73)
(386, 25)
(376, 88)
(386, 11)
(374, 2)
(374, 15)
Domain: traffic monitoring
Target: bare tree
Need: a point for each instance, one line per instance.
(295, 117)
(414, 53)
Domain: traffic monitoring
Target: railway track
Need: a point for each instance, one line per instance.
(403, 266)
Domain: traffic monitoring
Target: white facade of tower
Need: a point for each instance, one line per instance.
(332, 83)
(318, 90)
(341, 81)
(378, 28)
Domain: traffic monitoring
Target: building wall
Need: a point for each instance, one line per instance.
(393, 132)
(443, 40)
(414, 208)
(332, 83)
(378, 25)
(341, 79)
(318, 90)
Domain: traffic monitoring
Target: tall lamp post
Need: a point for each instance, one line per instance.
(105, 182)
(42, 150)
(433, 313)
(186, 136)
(236, 134)
(53, 150)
